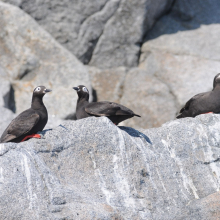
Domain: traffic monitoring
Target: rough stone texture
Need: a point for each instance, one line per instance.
(31, 57)
(92, 169)
(108, 84)
(107, 32)
(182, 49)
(149, 97)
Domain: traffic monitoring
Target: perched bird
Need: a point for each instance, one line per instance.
(30, 121)
(206, 102)
(115, 112)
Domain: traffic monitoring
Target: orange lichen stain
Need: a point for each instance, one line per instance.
(108, 208)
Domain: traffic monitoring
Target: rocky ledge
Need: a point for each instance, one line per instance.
(92, 169)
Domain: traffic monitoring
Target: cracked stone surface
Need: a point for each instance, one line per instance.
(31, 57)
(92, 169)
(105, 33)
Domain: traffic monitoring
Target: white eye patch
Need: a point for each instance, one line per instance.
(85, 89)
(37, 89)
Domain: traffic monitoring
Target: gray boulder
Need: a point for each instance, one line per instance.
(149, 97)
(31, 57)
(106, 32)
(6, 117)
(107, 84)
(182, 50)
(92, 169)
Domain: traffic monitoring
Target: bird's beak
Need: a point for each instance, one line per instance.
(76, 88)
(47, 90)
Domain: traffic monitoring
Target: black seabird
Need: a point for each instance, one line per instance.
(206, 102)
(30, 121)
(115, 112)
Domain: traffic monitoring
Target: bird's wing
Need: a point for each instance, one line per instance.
(21, 125)
(107, 109)
(187, 105)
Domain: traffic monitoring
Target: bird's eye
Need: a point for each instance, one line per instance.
(85, 89)
(37, 89)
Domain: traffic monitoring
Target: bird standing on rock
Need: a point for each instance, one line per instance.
(115, 112)
(206, 102)
(30, 121)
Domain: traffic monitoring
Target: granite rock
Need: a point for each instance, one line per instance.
(92, 169)
(6, 117)
(107, 84)
(149, 97)
(182, 49)
(106, 32)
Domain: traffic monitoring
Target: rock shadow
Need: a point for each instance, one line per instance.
(185, 15)
(135, 133)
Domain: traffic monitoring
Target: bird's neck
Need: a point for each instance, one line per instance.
(37, 103)
(82, 101)
(217, 87)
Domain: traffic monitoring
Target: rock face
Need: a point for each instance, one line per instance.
(149, 97)
(107, 84)
(92, 169)
(31, 57)
(182, 49)
(106, 32)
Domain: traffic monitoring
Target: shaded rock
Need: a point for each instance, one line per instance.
(149, 97)
(187, 15)
(108, 84)
(186, 61)
(120, 42)
(6, 117)
(5, 88)
(107, 32)
(92, 169)
(31, 57)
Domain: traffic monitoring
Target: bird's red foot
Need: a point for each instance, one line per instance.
(31, 136)
(207, 112)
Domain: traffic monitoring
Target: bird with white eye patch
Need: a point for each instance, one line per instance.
(30, 121)
(206, 102)
(115, 112)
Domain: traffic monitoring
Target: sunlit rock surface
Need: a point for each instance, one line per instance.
(92, 169)
(105, 33)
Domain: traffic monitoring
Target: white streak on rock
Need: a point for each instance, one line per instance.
(29, 186)
(1, 176)
(161, 180)
(108, 194)
(122, 184)
(187, 181)
(2, 149)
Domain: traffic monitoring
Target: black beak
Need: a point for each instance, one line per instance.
(47, 90)
(76, 88)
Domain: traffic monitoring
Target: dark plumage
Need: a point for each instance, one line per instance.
(115, 112)
(29, 121)
(203, 102)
